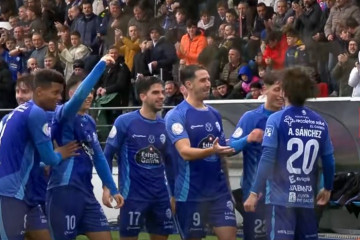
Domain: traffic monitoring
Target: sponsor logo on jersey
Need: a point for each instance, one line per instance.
(112, 133)
(208, 127)
(149, 157)
(177, 128)
(289, 120)
(151, 138)
(238, 132)
(138, 136)
(269, 130)
(196, 126)
(207, 142)
(162, 138)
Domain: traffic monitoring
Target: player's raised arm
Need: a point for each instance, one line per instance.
(73, 105)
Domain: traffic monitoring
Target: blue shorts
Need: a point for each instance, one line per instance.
(12, 218)
(72, 212)
(155, 216)
(192, 216)
(254, 223)
(291, 223)
(35, 219)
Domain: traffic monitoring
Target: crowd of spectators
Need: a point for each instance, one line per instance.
(238, 41)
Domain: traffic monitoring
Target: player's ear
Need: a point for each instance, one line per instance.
(142, 96)
(187, 84)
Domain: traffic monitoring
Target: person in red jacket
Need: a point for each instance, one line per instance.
(275, 50)
(192, 43)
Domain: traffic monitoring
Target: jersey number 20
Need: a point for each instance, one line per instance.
(305, 152)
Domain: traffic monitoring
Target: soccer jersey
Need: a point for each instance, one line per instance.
(200, 179)
(299, 136)
(67, 126)
(141, 147)
(252, 151)
(21, 131)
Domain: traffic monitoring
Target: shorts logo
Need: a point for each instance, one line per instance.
(208, 127)
(168, 213)
(162, 138)
(112, 133)
(46, 129)
(269, 130)
(177, 128)
(151, 138)
(217, 124)
(238, 132)
(230, 205)
(289, 120)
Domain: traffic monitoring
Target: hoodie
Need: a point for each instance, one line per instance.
(245, 85)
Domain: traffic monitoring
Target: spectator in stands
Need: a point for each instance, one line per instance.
(224, 89)
(53, 50)
(23, 21)
(40, 49)
(232, 19)
(114, 86)
(19, 36)
(176, 31)
(50, 62)
(231, 69)
(32, 65)
(354, 79)
(139, 66)
(7, 87)
(87, 26)
(281, 16)
(255, 91)
(79, 68)
(64, 33)
(128, 46)
(245, 20)
(231, 40)
(113, 20)
(220, 18)
(206, 22)
(14, 22)
(246, 76)
(161, 56)
(296, 53)
(35, 22)
(275, 50)
(49, 17)
(15, 63)
(342, 69)
(353, 28)
(173, 96)
(142, 18)
(191, 43)
(77, 51)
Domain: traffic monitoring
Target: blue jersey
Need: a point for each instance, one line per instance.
(67, 126)
(201, 179)
(141, 147)
(251, 151)
(15, 65)
(299, 136)
(22, 131)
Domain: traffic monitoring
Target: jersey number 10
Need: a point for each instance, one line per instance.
(308, 157)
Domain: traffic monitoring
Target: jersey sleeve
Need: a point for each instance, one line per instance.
(73, 105)
(238, 139)
(175, 127)
(38, 125)
(117, 133)
(270, 138)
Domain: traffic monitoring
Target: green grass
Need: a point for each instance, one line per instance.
(145, 236)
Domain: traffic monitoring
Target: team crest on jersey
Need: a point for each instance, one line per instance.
(151, 138)
(208, 127)
(112, 133)
(162, 138)
(303, 112)
(168, 213)
(289, 120)
(177, 128)
(238, 132)
(269, 130)
(230, 205)
(46, 129)
(217, 124)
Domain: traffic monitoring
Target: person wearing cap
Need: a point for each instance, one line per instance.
(192, 43)
(161, 56)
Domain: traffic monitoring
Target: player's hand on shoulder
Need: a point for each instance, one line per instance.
(223, 150)
(256, 135)
(119, 201)
(108, 59)
(323, 197)
(250, 203)
(68, 150)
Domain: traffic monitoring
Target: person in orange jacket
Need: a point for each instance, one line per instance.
(192, 43)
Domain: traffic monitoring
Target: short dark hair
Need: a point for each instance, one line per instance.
(273, 36)
(75, 33)
(223, 4)
(113, 47)
(73, 80)
(190, 23)
(256, 85)
(27, 80)
(44, 78)
(143, 84)
(272, 77)
(188, 72)
(351, 22)
(291, 32)
(298, 85)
